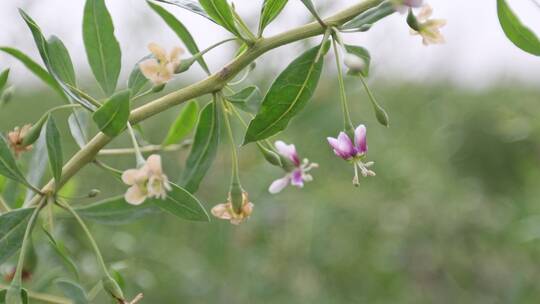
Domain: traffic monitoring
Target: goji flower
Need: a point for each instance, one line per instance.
(160, 69)
(16, 138)
(148, 181)
(226, 210)
(428, 28)
(296, 170)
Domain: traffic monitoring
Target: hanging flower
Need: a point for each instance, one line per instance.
(160, 69)
(148, 181)
(16, 138)
(226, 210)
(355, 63)
(297, 172)
(428, 28)
(353, 152)
(402, 6)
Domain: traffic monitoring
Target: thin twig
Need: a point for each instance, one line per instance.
(44, 297)
(146, 149)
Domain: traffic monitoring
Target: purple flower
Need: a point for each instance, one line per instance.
(353, 151)
(297, 173)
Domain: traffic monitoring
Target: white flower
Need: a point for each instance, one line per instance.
(402, 6)
(160, 69)
(429, 29)
(226, 210)
(354, 62)
(148, 181)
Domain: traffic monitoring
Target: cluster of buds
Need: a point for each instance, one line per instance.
(161, 68)
(147, 181)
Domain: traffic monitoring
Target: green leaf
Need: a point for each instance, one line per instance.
(54, 149)
(362, 53)
(181, 31)
(115, 211)
(73, 291)
(365, 21)
(221, 12)
(189, 5)
(204, 149)
(137, 81)
(518, 33)
(112, 117)
(102, 48)
(3, 79)
(60, 61)
(181, 203)
(35, 68)
(248, 99)
(8, 165)
(63, 254)
(78, 123)
(37, 166)
(270, 10)
(311, 8)
(12, 229)
(183, 125)
(287, 96)
(42, 46)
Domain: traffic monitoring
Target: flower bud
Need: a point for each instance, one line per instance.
(158, 88)
(270, 156)
(112, 287)
(355, 63)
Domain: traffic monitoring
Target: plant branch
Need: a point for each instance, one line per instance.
(146, 149)
(210, 84)
(43, 297)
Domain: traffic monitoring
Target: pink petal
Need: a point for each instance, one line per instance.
(278, 185)
(134, 195)
(297, 179)
(360, 139)
(129, 177)
(154, 164)
(287, 151)
(345, 145)
(222, 211)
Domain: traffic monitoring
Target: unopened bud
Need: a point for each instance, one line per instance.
(158, 88)
(94, 193)
(270, 156)
(355, 63)
(112, 287)
(7, 95)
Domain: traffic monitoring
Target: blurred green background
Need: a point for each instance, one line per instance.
(453, 215)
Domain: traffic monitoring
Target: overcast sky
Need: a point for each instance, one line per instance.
(476, 54)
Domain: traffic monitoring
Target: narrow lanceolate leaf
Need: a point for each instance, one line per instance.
(362, 53)
(181, 31)
(37, 165)
(137, 81)
(115, 211)
(8, 166)
(112, 117)
(43, 48)
(181, 203)
(54, 149)
(59, 248)
(183, 125)
(35, 68)
(287, 96)
(72, 291)
(78, 123)
(204, 149)
(518, 33)
(221, 12)
(309, 5)
(365, 21)
(248, 99)
(102, 48)
(189, 5)
(3, 79)
(270, 10)
(12, 228)
(60, 61)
